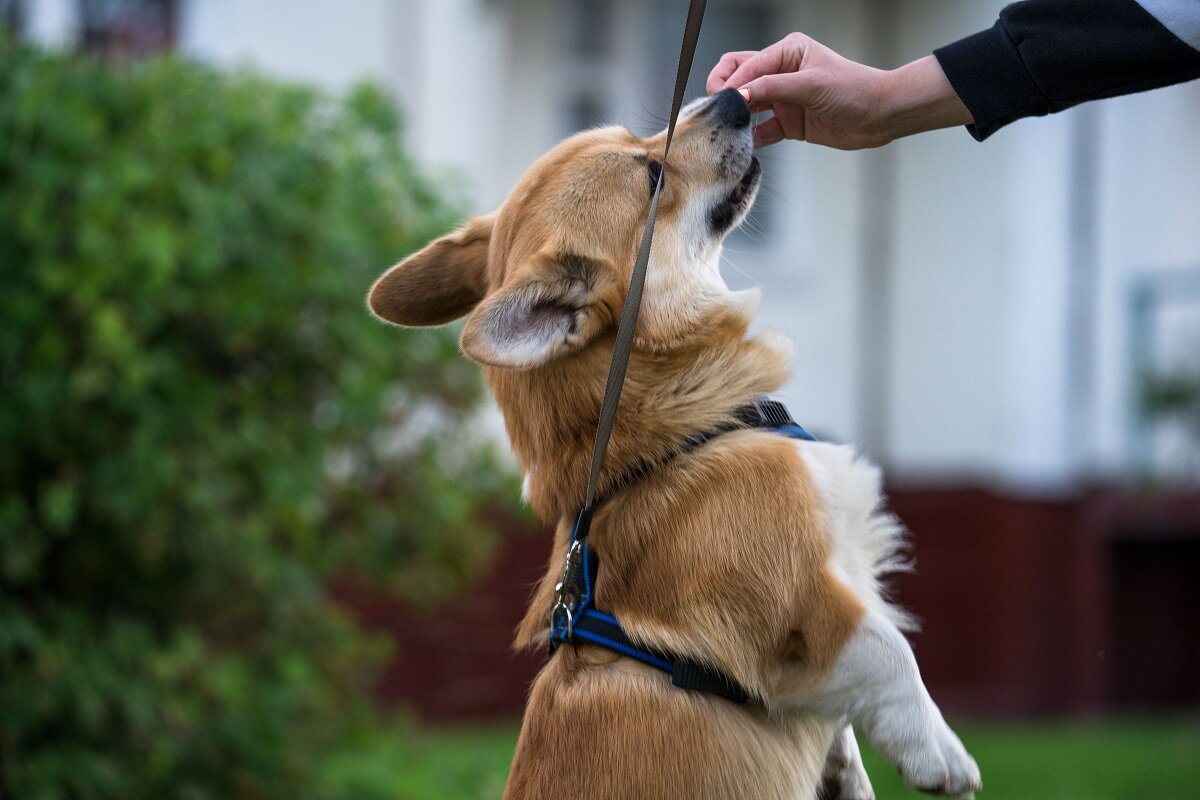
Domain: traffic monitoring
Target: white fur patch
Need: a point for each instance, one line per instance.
(876, 684)
(868, 541)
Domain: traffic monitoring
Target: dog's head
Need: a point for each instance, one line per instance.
(548, 271)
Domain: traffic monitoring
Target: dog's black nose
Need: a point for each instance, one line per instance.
(728, 106)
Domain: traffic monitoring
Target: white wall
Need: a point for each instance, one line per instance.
(323, 41)
(1149, 223)
(808, 263)
(443, 61)
(1000, 248)
(980, 268)
(52, 23)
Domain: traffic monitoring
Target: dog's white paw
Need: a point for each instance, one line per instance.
(938, 764)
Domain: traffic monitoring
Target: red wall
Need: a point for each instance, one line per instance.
(1028, 607)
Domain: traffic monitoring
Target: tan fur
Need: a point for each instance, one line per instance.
(601, 726)
(723, 554)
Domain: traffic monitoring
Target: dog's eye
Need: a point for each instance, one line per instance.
(655, 169)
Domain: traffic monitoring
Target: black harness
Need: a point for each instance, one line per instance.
(576, 620)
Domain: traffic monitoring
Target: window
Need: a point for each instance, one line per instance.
(12, 17)
(585, 53)
(589, 26)
(127, 27)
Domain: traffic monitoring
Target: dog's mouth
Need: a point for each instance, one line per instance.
(742, 193)
(730, 210)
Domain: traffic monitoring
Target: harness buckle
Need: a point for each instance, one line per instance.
(568, 590)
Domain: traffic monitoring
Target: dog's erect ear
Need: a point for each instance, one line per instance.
(556, 306)
(439, 283)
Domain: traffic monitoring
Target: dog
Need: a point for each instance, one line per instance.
(758, 555)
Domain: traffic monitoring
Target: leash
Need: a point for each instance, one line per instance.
(574, 618)
(568, 596)
(633, 300)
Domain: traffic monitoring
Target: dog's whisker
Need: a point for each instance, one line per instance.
(735, 268)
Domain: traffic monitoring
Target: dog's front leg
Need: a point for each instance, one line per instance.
(844, 777)
(876, 684)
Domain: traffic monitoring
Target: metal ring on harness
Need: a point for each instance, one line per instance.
(562, 609)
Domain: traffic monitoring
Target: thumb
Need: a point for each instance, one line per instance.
(790, 87)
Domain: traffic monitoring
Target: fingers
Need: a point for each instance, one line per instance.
(768, 77)
(783, 56)
(718, 79)
(768, 132)
(790, 87)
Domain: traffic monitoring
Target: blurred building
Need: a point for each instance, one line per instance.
(978, 317)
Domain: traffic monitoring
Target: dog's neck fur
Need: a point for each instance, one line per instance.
(551, 411)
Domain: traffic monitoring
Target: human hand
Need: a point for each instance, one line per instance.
(818, 96)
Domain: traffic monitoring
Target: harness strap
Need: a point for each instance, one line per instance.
(762, 413)
(602, 630)
(576, 620)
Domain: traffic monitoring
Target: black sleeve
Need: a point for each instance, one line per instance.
(1046, 55)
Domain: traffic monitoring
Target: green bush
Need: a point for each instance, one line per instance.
(200, 426)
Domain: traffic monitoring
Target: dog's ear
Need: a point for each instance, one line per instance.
(439, 283)
(556, 306)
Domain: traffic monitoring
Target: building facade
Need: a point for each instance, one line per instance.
(963, 311)
(977, 316)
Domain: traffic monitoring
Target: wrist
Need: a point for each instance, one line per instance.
(918, 97)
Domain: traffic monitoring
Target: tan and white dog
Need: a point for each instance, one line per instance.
(754, 553)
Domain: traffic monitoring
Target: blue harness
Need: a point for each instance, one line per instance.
(575, 619)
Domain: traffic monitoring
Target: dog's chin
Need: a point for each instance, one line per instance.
(732, 208)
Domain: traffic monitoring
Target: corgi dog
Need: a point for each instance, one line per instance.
(755, 554)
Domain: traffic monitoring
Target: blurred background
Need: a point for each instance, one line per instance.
(243, 526)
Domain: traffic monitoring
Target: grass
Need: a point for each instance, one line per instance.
(1123, 759)
(1112, 760)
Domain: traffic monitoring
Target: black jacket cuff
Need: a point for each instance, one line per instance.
(990, 78)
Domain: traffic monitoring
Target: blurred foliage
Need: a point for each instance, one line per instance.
(1174, 394)
(1170, 397)
(201, 425)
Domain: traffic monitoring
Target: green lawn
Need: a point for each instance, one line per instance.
(1133, 759)
(1126, 760)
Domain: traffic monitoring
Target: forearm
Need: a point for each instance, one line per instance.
(917, 98)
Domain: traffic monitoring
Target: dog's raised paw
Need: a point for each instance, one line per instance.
(942, 767)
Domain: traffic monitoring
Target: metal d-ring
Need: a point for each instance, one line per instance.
(562, 608)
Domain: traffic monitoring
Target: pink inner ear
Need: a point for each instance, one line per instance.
(551, 311)
(546, 316)
(518, 328)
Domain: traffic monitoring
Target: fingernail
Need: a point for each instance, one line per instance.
(745, 93)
